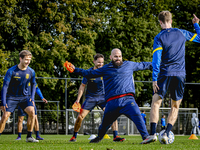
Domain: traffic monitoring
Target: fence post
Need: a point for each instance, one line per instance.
(57, 120)
(14, 122)
(66, 113)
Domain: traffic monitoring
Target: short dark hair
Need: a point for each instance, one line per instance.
(98, 56)
(165, 16)
(24, 53)
(143, 110)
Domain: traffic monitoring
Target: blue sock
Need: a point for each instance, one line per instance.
(29, 134)
(37, 133)
(169, 127)
(115, 133)
(19, 134)
(0, 133)
(153, 128)
(75, 134)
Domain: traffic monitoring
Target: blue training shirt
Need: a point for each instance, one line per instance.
(94, 86)
(163, 122)
(17, 84)
(38, 91)
(117, 81)
(169, 51)
(144, 117)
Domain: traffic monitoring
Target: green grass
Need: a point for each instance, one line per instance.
(51, 142)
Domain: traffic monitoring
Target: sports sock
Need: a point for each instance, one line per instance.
(37, 133)
(19, 134)
(75, 134)
(153, 128)
(29, 134)
(0, 133)
(169, 127)
(115, 133)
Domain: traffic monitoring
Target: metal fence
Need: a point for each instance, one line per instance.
(56, 121)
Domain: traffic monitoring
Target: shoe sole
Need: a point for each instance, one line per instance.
(154, 140)
(119, 140)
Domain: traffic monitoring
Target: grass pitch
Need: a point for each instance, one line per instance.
(61, 142)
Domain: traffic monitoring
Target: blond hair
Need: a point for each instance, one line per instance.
(165, 16)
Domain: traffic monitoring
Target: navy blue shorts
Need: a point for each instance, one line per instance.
(12, 104)
(175, 84)
(21, 112)
(91, 102)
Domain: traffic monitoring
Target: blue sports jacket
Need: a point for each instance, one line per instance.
(169, 51)
(117, 81)
(18, 84)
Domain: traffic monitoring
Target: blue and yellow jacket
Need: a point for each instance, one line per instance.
(117, 81)
(169, 51)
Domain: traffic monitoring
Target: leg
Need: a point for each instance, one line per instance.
(173, 112)
(111, 113)
(154, 113)
(36, 127)
(114, 127)
(20, 126)
(108, 118)
(31, 118)
(79, 119)
(4, 118)
(172, 115)
(78, 123)
(132, 111)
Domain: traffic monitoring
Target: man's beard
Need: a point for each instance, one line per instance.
(115, 64)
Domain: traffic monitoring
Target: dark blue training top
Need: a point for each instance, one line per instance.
(169, 51)
(117, 81)
(94, 86)
(18, 84)
(38, 91)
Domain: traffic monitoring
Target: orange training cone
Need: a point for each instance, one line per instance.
(193, 136)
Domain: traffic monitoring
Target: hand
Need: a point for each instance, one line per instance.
(32, 102)
(77, 101)
(70, 67)
(44, 100)
(155, 87)
(195, 19)
(3, 108)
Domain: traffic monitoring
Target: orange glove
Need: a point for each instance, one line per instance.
(76, 107)
(69, 66)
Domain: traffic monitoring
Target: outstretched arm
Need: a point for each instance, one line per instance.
(85, 73)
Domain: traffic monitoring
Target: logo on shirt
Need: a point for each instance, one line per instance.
(27, 76)
(132, 104)
(16, 77)
(17, 74)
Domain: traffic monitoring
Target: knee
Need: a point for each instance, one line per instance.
(31, 113)
(20, 119)
(5, 117)
(80, 117)
(175, 104)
